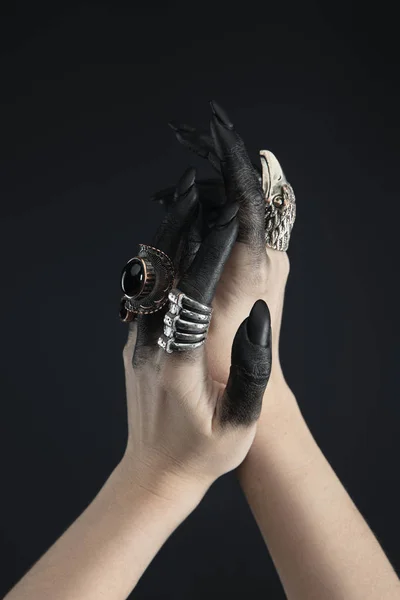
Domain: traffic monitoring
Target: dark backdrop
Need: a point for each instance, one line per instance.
(86, 94)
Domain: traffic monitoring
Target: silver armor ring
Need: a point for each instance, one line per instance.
(185, 324)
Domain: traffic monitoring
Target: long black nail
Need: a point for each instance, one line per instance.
(180, 126)
(227, 214)
(259, 324)
(186, 182)
(174, 125)
(221, 114)
(224, 139)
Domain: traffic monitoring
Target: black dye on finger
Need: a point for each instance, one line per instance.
(221, 114)
(186, 181)
(201, 279)
(226, 215)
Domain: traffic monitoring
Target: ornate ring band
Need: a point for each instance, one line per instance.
(188, 333)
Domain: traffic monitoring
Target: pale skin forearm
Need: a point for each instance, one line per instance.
(319, 542)
(105, 551)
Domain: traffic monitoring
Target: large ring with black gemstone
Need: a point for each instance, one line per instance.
(280, 203)
(185, 324)
(146, 280)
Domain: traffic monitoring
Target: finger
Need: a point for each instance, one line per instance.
(192, 241)
(168, 238)
(212, 197)
(211, 194)
(201, 279)
(241, 181)
(169, 234)
(197, 140)
(202, 143)
(199, 284)
(241, 401)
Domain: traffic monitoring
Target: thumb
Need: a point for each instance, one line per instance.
(251, 358)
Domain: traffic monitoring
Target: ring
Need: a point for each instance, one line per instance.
(280, 203)
(185, 324)
(146, 280)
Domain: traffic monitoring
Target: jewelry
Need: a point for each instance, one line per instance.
(185, 324)
(125, 315)
(280, 203)
(146, 280)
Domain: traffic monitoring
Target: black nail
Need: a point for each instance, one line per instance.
(174, 125)
(180, 126)
(259, 324)
(221, 114)
(227, 214)
(224, 139)
(186, 182)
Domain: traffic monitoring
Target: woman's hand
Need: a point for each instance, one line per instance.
(252, 270)
(186, 428)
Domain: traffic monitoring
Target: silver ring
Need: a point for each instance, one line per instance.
(177, 297)
(280, 203)
(194, 316)
(189, 337)
(185, 324)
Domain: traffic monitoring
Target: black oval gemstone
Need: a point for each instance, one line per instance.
(133, 277)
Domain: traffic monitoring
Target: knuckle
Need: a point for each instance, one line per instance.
(194, 289)
(256, 373)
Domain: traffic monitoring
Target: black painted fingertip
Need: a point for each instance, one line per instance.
(186, 182)
(176, 126)
(221, 115)
(259, 324)
(224, 139)
(227, 214)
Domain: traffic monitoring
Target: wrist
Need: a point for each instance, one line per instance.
(157, 487)
(283, 442)
(279, 401)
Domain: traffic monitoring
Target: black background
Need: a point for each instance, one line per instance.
(86, 93)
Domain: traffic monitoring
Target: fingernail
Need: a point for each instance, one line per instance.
(227, 215)
(259, 324)
(186, 182)
(224, 139)
(179, 126)
(174, 125)
(221, 114)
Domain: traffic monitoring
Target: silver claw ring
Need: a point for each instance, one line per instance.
(185, 324)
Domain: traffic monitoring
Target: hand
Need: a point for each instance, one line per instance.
(186, 428)
(252, 270)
